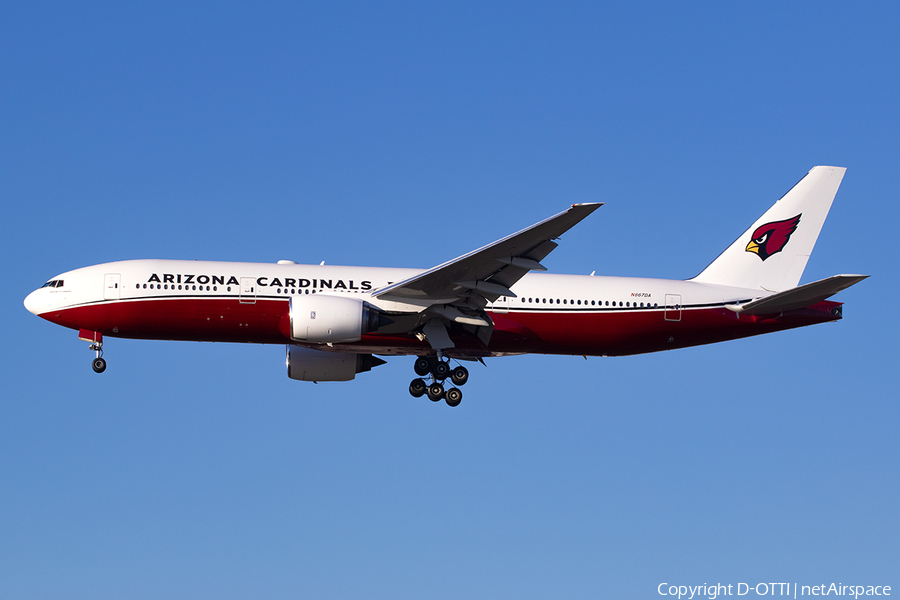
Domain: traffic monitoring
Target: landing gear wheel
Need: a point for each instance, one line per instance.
(459, 376)
(98, 364)
(417, 388)
(423, 366)
(435, 392)
(454, 397)
(442, 370)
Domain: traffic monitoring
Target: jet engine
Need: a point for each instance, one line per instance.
(309, 364)
(322, 319)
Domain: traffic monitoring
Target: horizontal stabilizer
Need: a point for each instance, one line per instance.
(798, 297)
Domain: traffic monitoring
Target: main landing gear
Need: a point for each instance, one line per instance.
(438, 370)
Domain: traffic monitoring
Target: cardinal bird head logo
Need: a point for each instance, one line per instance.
(772, 237)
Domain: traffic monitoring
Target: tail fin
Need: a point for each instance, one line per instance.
(772, 254)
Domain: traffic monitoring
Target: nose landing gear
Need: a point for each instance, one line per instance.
(99, 363)
(438, 370)
(96, 340)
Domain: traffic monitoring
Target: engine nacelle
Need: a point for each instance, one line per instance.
(308, 364)
(322, 319)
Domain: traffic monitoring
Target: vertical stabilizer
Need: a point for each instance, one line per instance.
(772, 253)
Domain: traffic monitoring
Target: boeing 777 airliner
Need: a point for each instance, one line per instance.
(334, 320)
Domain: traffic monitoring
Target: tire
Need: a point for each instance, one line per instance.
(442, 370)
(422, 366)
(453, 397)
(99, 365)
(417, 388)
(459, 376)
(435, 392)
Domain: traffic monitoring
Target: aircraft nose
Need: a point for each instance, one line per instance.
(31, 302)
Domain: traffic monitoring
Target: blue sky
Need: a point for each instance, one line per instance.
(404, 134)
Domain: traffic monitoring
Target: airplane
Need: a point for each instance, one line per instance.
(336, 321)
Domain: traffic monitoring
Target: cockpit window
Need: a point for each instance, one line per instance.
(53, 283)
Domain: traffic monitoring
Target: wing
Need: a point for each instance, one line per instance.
(473, 279)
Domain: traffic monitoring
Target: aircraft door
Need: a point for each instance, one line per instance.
(501, 305)
(248, 290)
(111, 286)
(673, 307)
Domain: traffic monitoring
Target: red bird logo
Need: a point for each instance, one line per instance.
(772, 237)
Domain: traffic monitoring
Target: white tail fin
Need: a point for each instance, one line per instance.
(772, 254)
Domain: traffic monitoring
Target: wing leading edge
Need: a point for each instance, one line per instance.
(489, 272)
